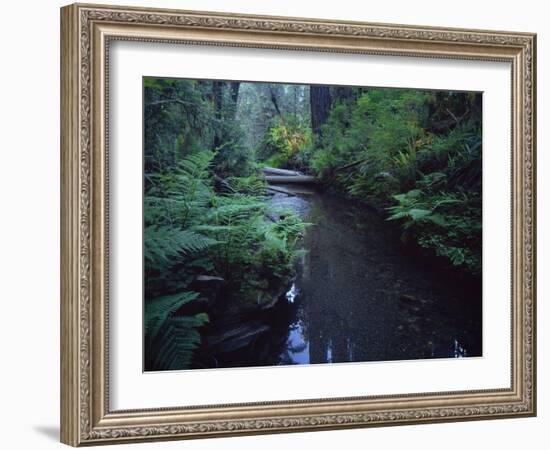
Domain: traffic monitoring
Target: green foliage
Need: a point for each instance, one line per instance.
(164, 243)
(415, 153)
(405, 165)
(379, 130)
(182, 118)
(159, 310)
(408, 147)
(286, 143)
(449, 190)
(252, 247)
(190, 229)
(232, 157)
(177, 120)
(251, 185)
(170, 339)
(449, 224)
(173, 203)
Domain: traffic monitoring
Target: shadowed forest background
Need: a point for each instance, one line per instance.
(366, 246)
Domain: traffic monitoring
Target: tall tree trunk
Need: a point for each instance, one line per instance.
(273, 97)
(234, 94)
(217, 95)
(319, 97)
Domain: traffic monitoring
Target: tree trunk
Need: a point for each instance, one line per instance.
(320, 106)
(217, 95)
(234, 94)
(273, 97)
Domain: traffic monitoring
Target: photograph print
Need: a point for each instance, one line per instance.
(295, 224)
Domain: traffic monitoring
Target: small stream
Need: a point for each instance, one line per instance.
(358, 296)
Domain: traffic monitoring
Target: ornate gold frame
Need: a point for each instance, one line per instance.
(86, 31)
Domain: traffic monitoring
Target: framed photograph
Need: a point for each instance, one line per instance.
(274, 224)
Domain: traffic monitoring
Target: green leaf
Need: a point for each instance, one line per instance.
(417, 214)
(398, 215)
(438, 219)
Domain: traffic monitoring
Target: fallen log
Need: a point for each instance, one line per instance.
(281, 191)
(300, 179)
(275, 171)
(350, 165)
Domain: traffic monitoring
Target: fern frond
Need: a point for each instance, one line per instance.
(163, 243)
(197, 165)
(170, 340)
(236, 212)
(159, 309)
(176, 341)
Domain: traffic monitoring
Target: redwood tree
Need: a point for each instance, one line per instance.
(320, 106)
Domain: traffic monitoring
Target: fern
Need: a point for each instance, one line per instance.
(197, 165)
(170, 340)
(163, 243)
(447, 223)
(157, 310)
(251, 185)
(175, 344)
(191, 229)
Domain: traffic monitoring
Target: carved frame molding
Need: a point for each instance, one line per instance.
(86, 31)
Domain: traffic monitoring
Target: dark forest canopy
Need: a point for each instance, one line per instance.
(415, 155)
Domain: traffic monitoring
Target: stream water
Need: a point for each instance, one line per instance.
(358, 296)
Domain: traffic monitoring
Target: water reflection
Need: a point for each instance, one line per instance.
(296, 347)
(357, 298)
(459, 351)
(291, 293)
